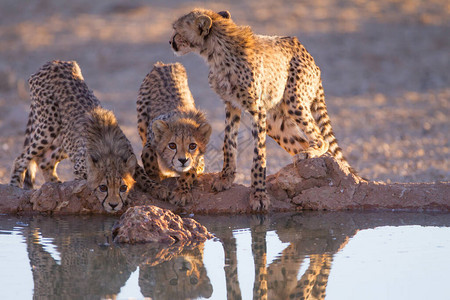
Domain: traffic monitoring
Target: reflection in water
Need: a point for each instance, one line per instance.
(183, 277)
(313, 235)
(88, 266)
(279, 279)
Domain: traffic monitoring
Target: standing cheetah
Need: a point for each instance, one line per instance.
(174, 133)
(66, 120)
(273, 78)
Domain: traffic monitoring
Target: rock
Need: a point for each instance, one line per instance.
(314, 184)
(14, 199)
(69, 197)
(148, 223)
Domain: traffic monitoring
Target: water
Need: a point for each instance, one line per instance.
(341, 255)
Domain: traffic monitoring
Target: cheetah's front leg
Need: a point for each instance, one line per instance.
(49, 163)
(228, 173)
(259, 201)
(150, 186)
(150, 161)
(183, 192)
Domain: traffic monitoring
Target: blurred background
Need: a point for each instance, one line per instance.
(385, 67)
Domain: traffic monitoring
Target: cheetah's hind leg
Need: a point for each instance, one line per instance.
(20, 168)
(307, 134)
(29, 176)
(49, 163)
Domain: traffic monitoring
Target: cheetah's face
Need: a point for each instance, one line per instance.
(191, 30)
(111, 180)
(179, 148)
(183, 275)
(180, 46)
(185, 270)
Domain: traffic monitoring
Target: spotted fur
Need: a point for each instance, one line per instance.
(174, 133)
(67, 121)
(272, 78)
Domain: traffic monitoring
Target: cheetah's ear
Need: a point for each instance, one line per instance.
(225, 14)
(204, 131)
(203, 24)
(92, 160)
(159, 128)
(131, 164)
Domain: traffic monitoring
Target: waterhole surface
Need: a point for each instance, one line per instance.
(379, 255)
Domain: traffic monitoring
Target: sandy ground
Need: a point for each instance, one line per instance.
(385, 67)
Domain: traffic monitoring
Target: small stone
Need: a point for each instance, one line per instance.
(148, 223)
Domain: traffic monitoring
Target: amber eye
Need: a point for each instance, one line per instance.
(172, 146)
(123, 188)
(192, 146)
(103, 188)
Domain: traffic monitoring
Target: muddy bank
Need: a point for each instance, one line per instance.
(315, 184)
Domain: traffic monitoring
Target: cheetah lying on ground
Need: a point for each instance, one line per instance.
(66, 120)
(273, 78)
(174, 133)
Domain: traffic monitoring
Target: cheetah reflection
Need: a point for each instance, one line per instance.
(86, 266)
(309, 244)
(89, 267)
(182, 277)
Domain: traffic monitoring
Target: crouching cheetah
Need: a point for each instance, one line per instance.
(66, 120)
(273, 78)
(174, 133)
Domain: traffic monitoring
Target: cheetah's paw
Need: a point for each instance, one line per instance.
(259, 201)
(301, 156)
(182, 197)
(163, 193)
(223, 182)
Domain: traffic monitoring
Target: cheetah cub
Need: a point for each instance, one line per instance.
(273, 78)
(174, 133)
(66, 120)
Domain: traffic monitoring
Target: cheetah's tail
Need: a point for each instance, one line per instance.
(319, 110)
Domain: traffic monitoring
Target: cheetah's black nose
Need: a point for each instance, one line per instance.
(183, 160)
(113, 206)
(174, 45)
